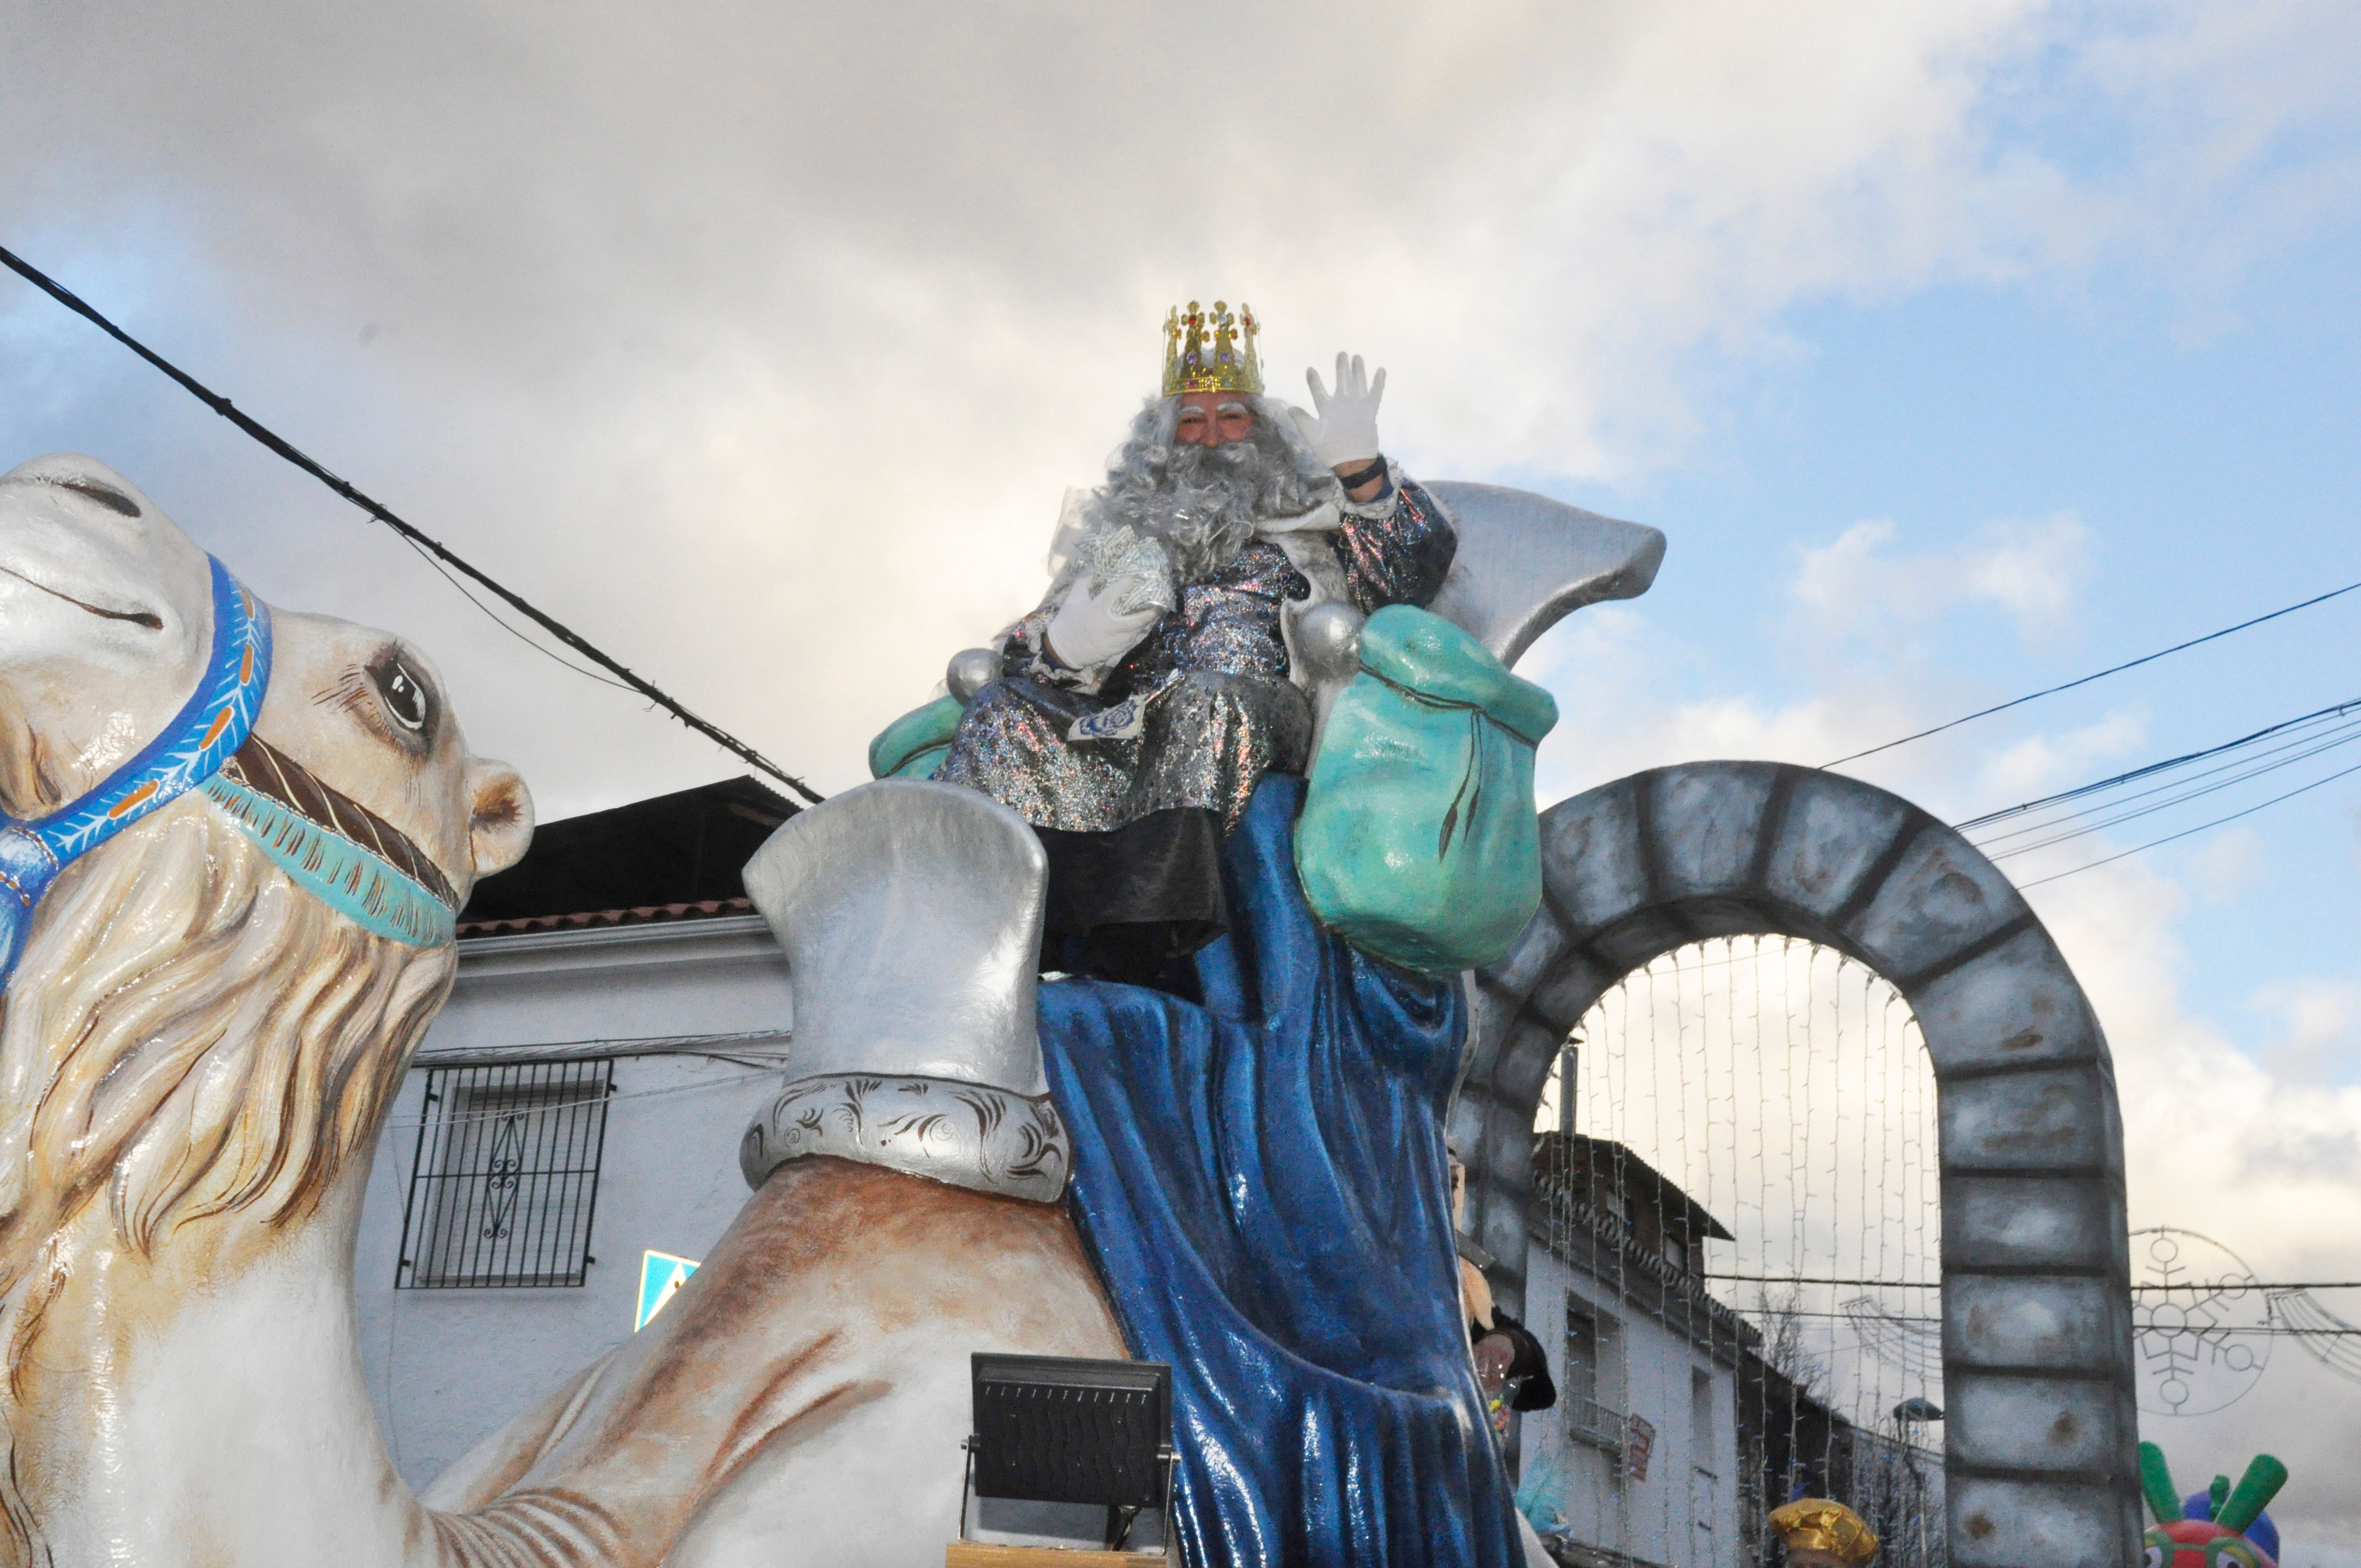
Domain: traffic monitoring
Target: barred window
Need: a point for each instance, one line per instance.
(505, 1176)
(1589, 1405)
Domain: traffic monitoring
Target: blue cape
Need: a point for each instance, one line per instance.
(1262, 1183)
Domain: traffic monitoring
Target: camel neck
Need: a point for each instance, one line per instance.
(208, 1406)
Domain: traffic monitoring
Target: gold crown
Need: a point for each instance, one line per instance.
(1816, 1524)
(1223, 364)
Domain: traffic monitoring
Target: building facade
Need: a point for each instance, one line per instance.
(1638, 1464)
(576, 1108)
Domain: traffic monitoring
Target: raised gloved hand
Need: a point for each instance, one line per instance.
(1089, 630)
(1342, 429)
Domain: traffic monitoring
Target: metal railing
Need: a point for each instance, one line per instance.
(1587, 1422)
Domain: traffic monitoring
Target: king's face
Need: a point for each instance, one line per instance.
(1214, 418)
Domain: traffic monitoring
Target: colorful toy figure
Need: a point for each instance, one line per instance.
(2221, 1541)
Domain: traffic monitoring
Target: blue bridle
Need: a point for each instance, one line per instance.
(334, 848)
(211, 726)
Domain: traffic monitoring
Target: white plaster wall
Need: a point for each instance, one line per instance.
(1653, 1519)
(446, 1367)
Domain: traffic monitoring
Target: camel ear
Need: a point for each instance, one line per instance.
(500, 823)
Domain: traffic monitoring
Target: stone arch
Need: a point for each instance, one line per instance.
(2041, 1430)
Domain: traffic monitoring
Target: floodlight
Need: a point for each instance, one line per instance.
(1054, 1429)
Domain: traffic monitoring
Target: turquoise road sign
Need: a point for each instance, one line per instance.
(660, 1275)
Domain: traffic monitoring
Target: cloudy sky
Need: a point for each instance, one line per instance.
(1959, 348)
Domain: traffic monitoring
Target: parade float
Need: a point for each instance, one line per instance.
(1135, 1003)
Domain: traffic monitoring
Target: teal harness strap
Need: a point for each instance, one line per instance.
(369, 890)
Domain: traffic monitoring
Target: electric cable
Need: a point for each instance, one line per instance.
(493, 615)
(2099, 676)
(2328, 728)
(2253, 1331)
(1936, 1284)
(2186, 795)
(417, 539)
(2313, 741)
(2200, 827)
(2148, 770)
(2311, 1323)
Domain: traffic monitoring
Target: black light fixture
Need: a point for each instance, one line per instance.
(1054, 1429)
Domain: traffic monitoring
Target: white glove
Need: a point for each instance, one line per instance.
(1088, 630)
(1344, 432)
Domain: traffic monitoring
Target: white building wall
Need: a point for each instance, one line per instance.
(446, 1367)
(1650, 1371)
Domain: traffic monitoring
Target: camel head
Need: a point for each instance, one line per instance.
(212, 1003)
(105, 613)
(105, 617)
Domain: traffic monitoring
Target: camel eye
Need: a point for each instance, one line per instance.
(405, 697)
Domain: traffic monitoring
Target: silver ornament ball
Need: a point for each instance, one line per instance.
(970, 672)
(1328, 636)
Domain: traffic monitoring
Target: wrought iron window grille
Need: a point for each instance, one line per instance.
(504, 1182)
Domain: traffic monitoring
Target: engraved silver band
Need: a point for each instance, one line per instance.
(967, 1135)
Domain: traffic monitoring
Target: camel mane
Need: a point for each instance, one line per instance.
(189, 1035)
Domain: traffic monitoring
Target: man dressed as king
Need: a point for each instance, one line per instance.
(1258, 1158)
(1140, 702)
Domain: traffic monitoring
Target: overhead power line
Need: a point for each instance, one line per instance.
(2299, 740)
(1935, 1284)
(2098, 676)
(2059, 834)
(2056, 831)
(2151, 769)
(2200, 827)
(433, 548)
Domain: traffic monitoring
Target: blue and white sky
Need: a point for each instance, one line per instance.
(1960, 348)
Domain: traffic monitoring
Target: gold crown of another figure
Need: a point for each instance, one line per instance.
(1210, 351)
(1816, 1524)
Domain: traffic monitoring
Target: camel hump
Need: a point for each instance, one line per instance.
(910, 914)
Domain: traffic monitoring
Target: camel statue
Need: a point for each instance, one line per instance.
(232, 841)
(202, 1035)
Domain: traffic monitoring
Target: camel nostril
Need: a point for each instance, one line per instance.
(107, 496)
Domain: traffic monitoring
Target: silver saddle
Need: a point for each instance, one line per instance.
(911, 917)
(910, 911)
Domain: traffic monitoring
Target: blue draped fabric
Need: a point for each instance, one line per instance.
(1262, 1183)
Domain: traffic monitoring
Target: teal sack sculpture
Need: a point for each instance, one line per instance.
(912, 747)
(1418, 842)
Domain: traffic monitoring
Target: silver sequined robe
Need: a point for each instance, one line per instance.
(1225, 708)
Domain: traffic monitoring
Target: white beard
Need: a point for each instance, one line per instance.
(1204, 504)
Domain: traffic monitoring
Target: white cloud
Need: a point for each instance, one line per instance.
(2319, 1026)
(2041, 762)
(2229, 864)
(1860, 584)
(2259, 1150)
